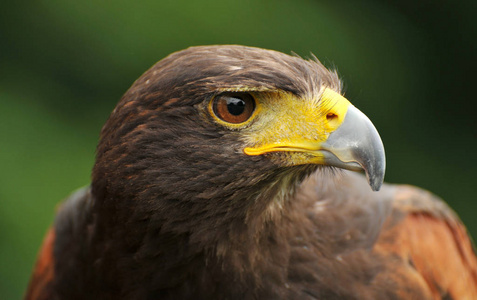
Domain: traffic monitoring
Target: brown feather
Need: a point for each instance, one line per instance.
(40, 286)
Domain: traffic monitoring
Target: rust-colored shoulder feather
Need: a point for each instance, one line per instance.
(424, 232)
(40, 287)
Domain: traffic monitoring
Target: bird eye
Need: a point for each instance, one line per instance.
(234, 107)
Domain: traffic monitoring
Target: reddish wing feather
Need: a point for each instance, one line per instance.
(434, 243)
(43, 274)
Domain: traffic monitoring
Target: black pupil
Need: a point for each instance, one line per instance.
(235, 106)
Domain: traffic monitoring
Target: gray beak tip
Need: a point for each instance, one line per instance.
(356, 143)
(375, 183)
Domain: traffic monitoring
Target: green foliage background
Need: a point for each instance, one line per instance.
(409, 65)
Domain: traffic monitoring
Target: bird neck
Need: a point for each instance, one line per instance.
(242, 232)
(242, 215)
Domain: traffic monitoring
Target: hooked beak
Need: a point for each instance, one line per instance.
(356, 145)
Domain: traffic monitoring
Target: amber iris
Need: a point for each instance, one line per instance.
(234, 107)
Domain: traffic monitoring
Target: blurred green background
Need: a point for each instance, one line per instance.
(409, 65)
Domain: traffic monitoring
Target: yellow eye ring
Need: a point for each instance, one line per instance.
(233, 109)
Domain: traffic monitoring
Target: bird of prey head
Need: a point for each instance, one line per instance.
(223, 131)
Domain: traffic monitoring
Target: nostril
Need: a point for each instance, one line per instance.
(331, 116)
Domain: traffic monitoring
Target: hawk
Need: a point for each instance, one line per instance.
(227, 172)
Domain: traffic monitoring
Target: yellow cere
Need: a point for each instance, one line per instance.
(297, 126)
